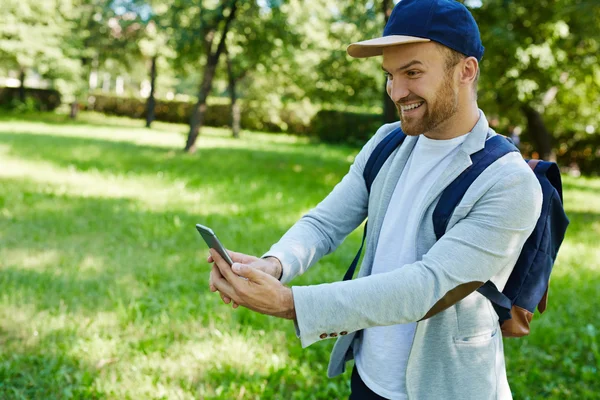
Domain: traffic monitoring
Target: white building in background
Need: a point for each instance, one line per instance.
(145, 88)
(93, 80)
(32, 80)
(119, 86)
(106, 82)
(98, 80)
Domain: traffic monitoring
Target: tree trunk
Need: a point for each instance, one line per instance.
(197, 117)
(22, 86)
(389, 108)
(541, 138)
(235, 108)
(151, 102)
(74, 109)
(235, 116)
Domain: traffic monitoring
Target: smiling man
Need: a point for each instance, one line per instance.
(412, 320)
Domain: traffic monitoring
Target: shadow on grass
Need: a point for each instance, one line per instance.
(241, 167)
(42, 371)
(109, 256)
(84, 119)
(276, 384)
(95, 254)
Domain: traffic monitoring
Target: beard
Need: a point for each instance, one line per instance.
(444, 106)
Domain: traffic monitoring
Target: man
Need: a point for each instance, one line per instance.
(405, 319)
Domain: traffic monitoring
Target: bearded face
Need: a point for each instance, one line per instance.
(423, 87)
(424, 114)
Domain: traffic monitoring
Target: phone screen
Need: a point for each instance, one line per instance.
(212, 242)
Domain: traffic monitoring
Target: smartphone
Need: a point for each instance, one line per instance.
(212, 242)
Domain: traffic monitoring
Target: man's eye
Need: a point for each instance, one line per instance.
(412, 73)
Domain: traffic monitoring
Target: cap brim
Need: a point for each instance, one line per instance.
(374, 47)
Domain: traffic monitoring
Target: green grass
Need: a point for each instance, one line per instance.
(104, 282)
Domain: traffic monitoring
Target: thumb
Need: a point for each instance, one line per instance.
(247, 271)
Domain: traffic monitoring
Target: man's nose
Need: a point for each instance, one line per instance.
(397, 90)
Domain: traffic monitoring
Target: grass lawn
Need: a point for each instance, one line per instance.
(103, 279)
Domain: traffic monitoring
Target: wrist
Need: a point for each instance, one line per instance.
(290, 309)
(276, 267)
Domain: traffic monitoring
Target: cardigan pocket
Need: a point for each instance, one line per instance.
(480, 352)
(478, 339)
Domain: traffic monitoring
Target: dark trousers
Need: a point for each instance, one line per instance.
(360, 391)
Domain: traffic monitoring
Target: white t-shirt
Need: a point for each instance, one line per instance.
(382, 355)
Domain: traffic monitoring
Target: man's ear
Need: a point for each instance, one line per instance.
(468, 72)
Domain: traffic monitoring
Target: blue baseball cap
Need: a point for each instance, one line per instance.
(447, 22)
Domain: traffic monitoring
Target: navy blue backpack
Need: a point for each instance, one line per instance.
(527, 286)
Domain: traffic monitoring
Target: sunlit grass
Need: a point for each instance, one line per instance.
(104, 279)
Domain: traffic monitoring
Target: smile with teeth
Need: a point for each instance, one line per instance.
(411, 106)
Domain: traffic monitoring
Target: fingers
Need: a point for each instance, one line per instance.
(252, 274)
(236, 257)
(223, 266)
(221, 274)
(241, 257)
(214, 275)
(226, 291)
(225, 299)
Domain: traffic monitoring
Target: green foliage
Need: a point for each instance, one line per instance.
(293, 119)
(542, 54)
(64, 40)
(104, 279)
(583, 153)
(277, 116)
(35, 99)
(338, 79)
(167, 111)
(345, 127)
(31, 34)
(261, 35)
(289, 58)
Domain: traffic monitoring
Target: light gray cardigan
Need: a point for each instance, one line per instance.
(457, 353)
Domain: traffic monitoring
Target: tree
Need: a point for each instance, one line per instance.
(198, 33)
(232, 79)
(63, 40)
(536, 54)
(101, 35)
(154, 49)
(339, 80)
(151, 102)
(151, 41)
(262, 36)
(31, 34)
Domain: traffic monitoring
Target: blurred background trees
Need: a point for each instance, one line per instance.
(32, 37)
(280, 65)
(540, 69)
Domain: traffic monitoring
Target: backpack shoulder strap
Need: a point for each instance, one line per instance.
(495, 147)
(380, 155)
(376, 160)
(551, 171)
